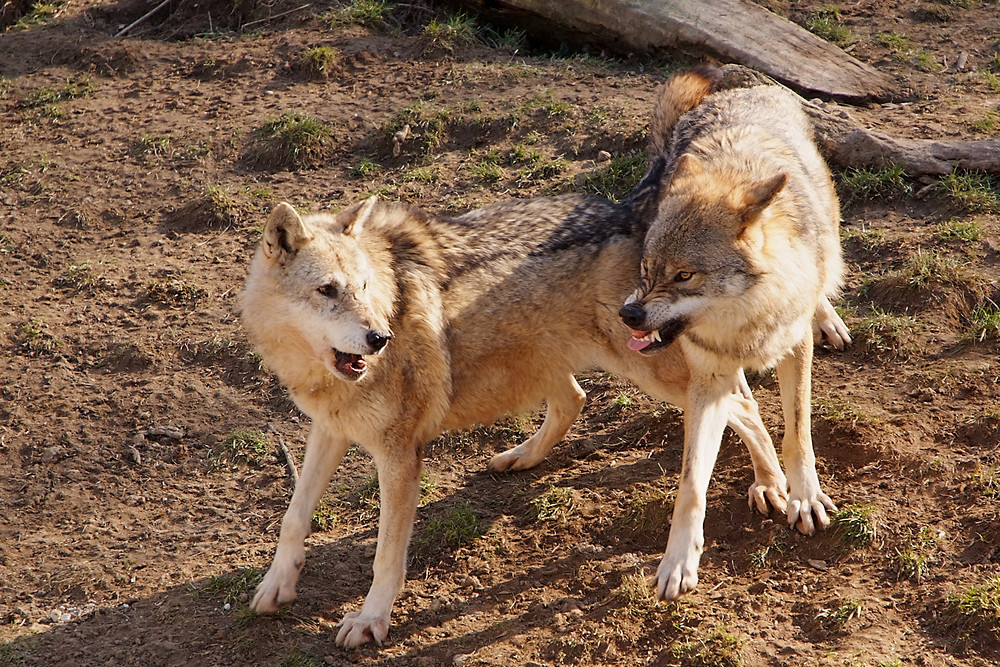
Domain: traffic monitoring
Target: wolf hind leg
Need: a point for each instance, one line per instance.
(828, 324)
(564, 401)
(807, 504)
(769, 485)
(324, 451)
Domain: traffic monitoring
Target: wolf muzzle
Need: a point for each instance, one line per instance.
(633, 315)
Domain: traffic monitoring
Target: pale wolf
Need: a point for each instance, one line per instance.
(388, 325)
(742, 251)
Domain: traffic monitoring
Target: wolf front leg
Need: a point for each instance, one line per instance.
(399, 489)
(324, 451)
(564, 402)
(705, 417)
(807, 504)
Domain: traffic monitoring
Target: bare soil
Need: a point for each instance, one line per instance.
(134, 179)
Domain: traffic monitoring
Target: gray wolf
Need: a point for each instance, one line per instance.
(741, 255)
(389, 325)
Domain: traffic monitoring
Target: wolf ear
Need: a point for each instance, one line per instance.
(759, 196)
(285, 233)
(353, 227)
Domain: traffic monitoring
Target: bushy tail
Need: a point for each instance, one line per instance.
(683, 92)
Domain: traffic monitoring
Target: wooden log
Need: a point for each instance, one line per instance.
(731, 30)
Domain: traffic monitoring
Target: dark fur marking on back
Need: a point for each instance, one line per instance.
(584, 226)
(520, 229)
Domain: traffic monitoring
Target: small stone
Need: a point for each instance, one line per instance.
(818, 564)
(166, 432)
(51, 454)
(603, 156)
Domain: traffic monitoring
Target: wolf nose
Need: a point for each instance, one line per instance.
(633, 315)
(377, 340)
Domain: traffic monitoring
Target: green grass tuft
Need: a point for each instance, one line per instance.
(235, 586)
(455, 31)
(81, 277)
(974, 191)
(173, 292)
(73, 88)
(957, 230)
(836, 620)
(978, 605)
(984, 325)
(151, 144)
(617, 178)
(885, 335)
(841, 412)
(374, 14)
(556, 504)
(929, 267)
(458, 528)
(913, 560)
(855, 525)
(34, 339)
(718, 648)
(247, 445)
(868, 182)
(365, 169)
(987, 478)
(826, 24)
(292, 140)
(317, 62)
(986, 125)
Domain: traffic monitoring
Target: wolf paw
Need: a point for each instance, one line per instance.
(676, 576)
(765, 494)
(358, 628)
(829, 325)
(810, 514)
(277, 590)
(516, 458)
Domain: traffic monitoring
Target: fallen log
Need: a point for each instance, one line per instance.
(731, 30)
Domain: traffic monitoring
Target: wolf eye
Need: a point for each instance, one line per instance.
(683, 276)
(328, 290)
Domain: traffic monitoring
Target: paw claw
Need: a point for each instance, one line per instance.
(676, 576)
(764, 496)
(809, 516)
(276, 590)
(357, 629)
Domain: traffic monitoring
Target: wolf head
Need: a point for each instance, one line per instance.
(704, 249)
(313, 287)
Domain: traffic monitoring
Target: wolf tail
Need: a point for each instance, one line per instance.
(683, 92)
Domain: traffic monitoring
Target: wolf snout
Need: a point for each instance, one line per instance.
(377, 340)
(633, 315)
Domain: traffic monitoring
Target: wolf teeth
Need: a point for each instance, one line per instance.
(652, 337)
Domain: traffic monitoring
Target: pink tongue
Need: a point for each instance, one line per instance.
(635, 344)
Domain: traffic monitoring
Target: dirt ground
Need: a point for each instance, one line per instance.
(142, 492)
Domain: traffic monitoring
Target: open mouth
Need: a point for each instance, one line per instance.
(351, 366)
(650, 341)
(645, 341)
